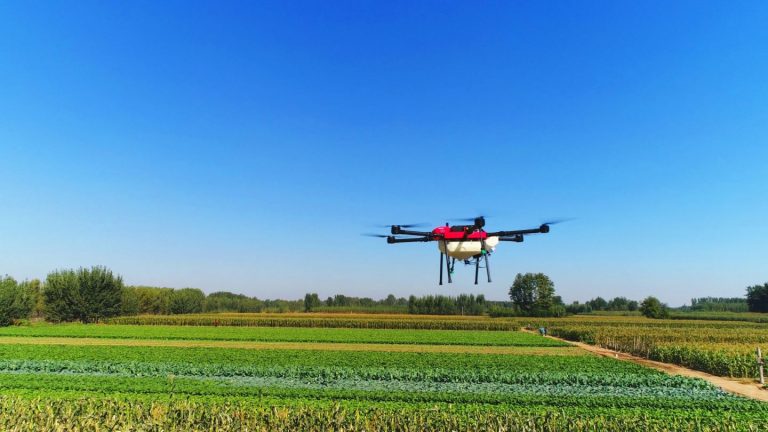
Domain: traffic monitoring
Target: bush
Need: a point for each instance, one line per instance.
(651, 307)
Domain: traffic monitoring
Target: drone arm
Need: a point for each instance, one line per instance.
(518, 238)
(397, 230)
(392, 239)
(542, 229)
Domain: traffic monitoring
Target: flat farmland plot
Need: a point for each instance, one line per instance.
(288, 334)
(716, 347)
(533, 385)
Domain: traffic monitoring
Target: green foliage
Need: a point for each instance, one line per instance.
(223, 301)
(651, 307)
(171, 388)
(343, 302)
(533, 294)
(463, 304)
(755, 317)
(186, 300)
(62, 296)
(307, 320)
(129, 304)
(85, 294)
(757, 298)
(311, 301)
(720, 348)
(100, 293)
(719, 304)
(598, 303)
(137, 413)
(143, 388)
(289, 334)
(8, 289)
(17, 300)
(376, 309)
(147, 300)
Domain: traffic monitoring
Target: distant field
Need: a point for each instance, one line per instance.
(725, 348)
(325, 320)
(151, 377)
(722, 316)
(288, 334)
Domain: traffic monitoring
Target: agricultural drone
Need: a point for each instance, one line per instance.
(468, 243)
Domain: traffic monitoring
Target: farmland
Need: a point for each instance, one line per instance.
(320, 377)
(717, 347)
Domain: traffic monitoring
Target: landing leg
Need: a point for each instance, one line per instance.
(447, 261)
(477, 268)
(487, 269)
(441, 268)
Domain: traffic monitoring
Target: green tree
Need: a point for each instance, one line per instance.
(532, 294)
(651, 307)
(757, 298)
(11, 308)
(311, 301)
(130, 302)
(62, 296)
(391, 300)
(224, 301)
(598, 304)
(33, 297)
(101, 293)
(153, 300)
(83, 294)
(187, 300)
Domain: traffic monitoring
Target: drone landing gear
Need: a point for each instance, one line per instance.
(448, 267)
(450, 263)
(487, 267)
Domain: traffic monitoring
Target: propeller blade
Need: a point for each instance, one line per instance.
(472, 219)
(557, 221)
(374, 235)
(411, 225)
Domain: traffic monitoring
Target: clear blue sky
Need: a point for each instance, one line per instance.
(244, 146)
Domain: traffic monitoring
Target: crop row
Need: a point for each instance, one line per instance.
(654, 334)
(327, 375)
(719, 349)
(371, 321)
(662, 393)
(99, 413)
(290, 334)
(226, 358)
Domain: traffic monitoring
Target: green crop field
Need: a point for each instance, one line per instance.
(154, 377)
(724, 348)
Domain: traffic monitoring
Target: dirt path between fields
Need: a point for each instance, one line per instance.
(740, 387)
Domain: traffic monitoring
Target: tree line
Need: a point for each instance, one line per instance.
(90, 294)
(718, 304)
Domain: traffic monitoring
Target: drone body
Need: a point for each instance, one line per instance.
(462, 242)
